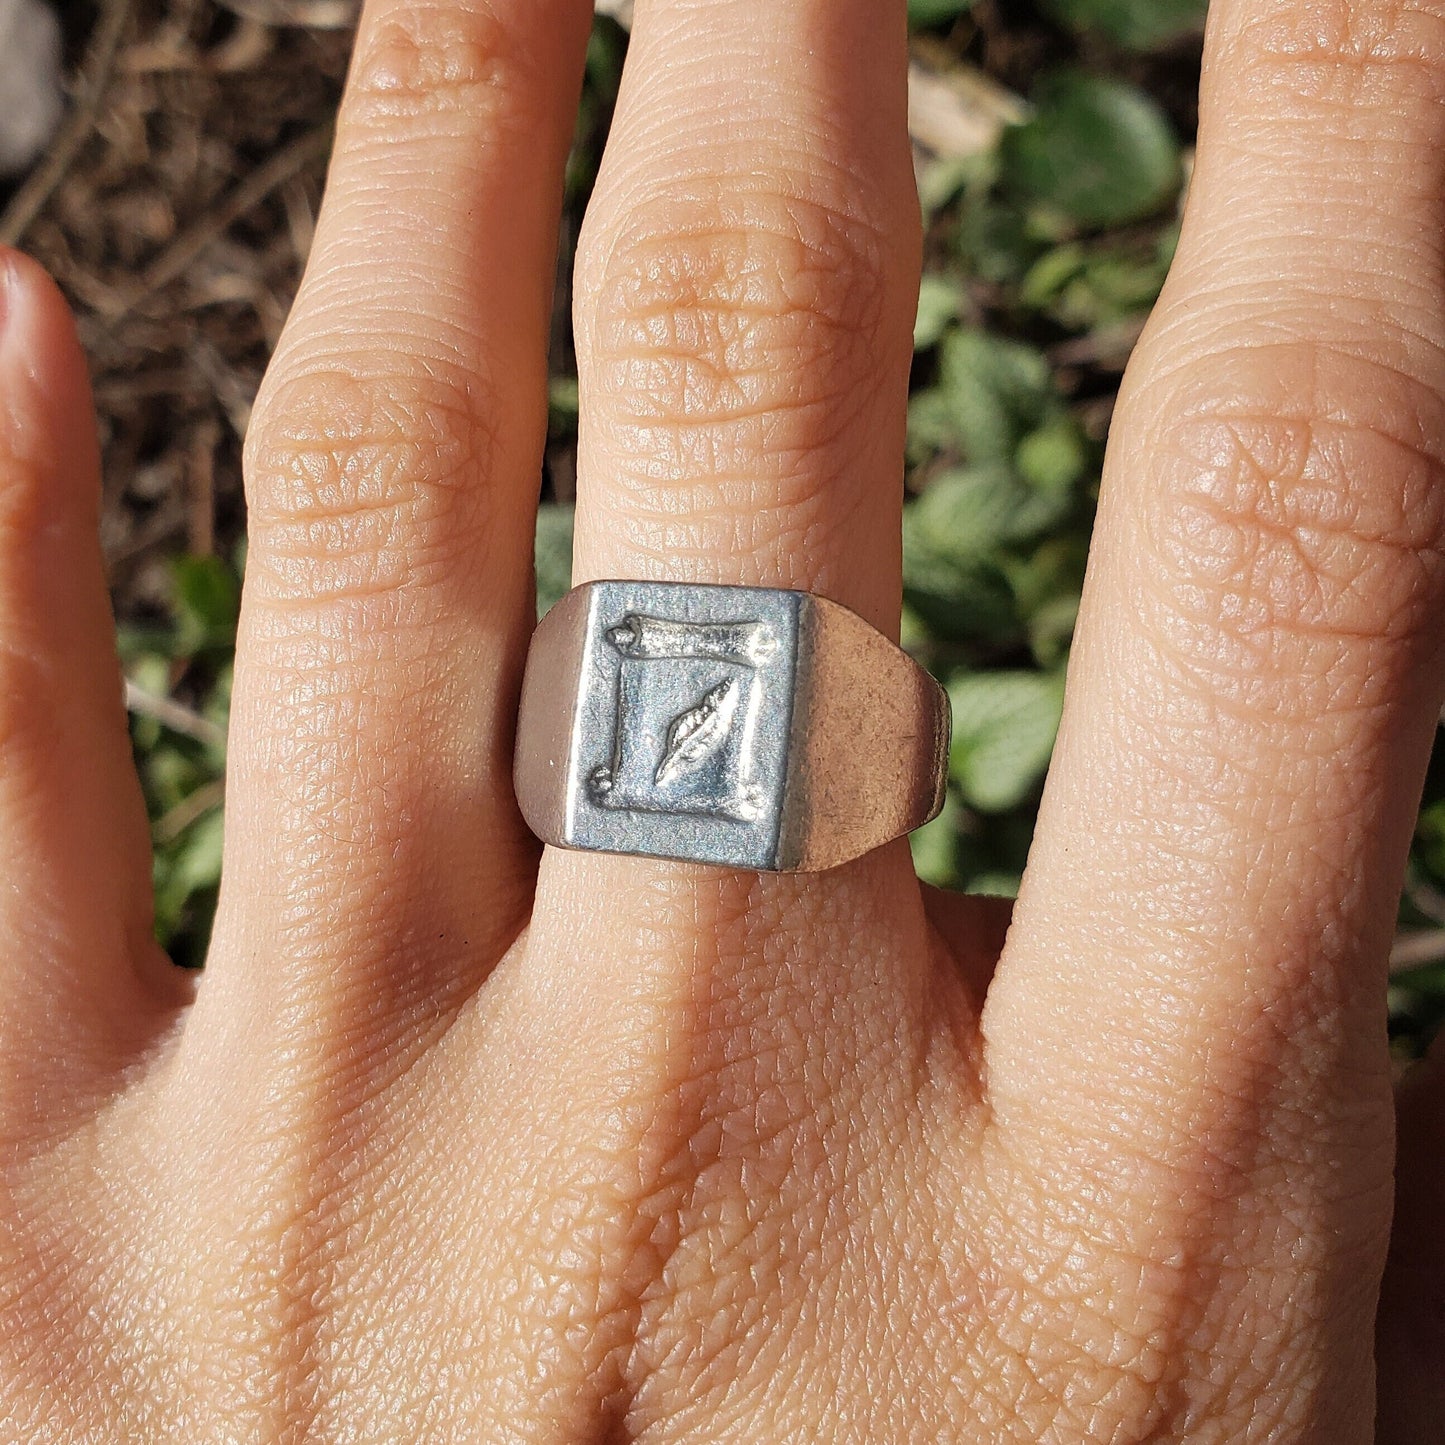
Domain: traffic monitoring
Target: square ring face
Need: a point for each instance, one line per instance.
(679, 748)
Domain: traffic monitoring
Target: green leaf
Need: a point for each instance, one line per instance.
(1054, 569)
(1004, 725)
(562, 406)
(997, 391)
(975, 511)
(1428, 978)
(217, 709)
(935, 848)
(935, 12)
(191, 866)
(553, 555)
(931, 428)
(942, 179)
(1108, 288)
(995, 885)
(992, 852)
(171, 774)
(136, 641)
(207, 600)
(913, 634)
(1100, 151)
(997, 239)
(199, 864)
(1136, 24)
(957, 595)
(1054, 456)
(957, 550)
(563, 397)
(152, 671)
(606, 48)
(1051, 273)
(938, 304)
(1430, 838)
(1047, 585)
(1051, 629)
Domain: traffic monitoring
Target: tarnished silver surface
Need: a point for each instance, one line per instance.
(744, 726)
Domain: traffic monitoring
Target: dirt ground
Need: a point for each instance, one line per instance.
(176, 206)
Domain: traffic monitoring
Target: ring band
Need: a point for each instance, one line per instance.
(745, 726)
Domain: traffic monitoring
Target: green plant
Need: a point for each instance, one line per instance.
(179, 670)
(1044, 257)
(922, 13)
(1096, 149)
(1136, 24)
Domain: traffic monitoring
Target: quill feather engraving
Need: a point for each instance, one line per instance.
(698, 733)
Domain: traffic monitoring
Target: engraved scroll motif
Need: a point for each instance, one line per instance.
(688, 695)
(748, 643)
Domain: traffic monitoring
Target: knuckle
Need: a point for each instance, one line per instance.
(738, 341)
(432, 62)
(1298, 506)
(715, 312)
(364, 483)
(1074, 1347)
(1339, 51)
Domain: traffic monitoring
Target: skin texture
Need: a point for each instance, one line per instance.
(457, 1143)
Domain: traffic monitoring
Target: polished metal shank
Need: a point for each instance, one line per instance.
(744, 726)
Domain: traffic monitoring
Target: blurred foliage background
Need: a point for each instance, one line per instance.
(1053, 144)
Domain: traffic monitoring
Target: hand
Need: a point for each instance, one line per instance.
(456, 1146)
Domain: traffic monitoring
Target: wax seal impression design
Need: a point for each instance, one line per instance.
(688, 698)
(751, 727)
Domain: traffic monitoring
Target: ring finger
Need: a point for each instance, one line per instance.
(747, 283)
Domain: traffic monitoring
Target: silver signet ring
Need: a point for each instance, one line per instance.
(745, 726)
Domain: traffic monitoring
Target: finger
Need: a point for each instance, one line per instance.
(750, 258)
(394, 463)
(974, 928)
(1197, 957)
(746, 286)
(745, 282)
(83, 986)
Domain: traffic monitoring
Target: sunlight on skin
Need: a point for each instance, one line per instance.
(453, 1146)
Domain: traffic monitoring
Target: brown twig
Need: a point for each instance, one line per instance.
(1108, 346)
(234, 392)
(201, 496)
(1428, 899)
(165, 526)
(1414, 950)
(250, 192)
(959, 111)
(618, 10)
(169, 826)
(172, 714)
(28, 202)
(302, 14)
